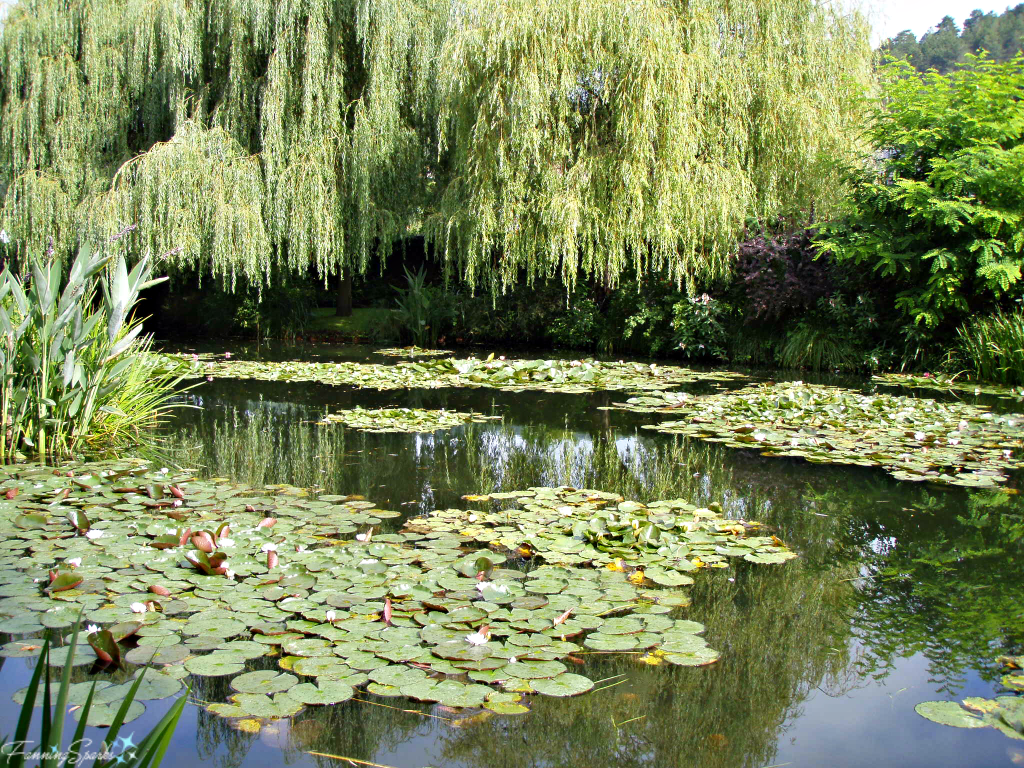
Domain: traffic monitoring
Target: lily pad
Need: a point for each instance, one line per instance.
(567, 684)
(264, 681)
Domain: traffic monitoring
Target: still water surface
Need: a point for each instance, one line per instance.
(902, 593)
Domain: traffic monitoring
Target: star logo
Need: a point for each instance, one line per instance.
(127, 742)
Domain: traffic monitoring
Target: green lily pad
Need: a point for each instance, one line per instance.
(567, 684)
(263, 706)
(215, 665)
(948, 713)
(101, 715)
(264, 681)
(324, 692)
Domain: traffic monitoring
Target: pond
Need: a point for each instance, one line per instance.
(902, 592)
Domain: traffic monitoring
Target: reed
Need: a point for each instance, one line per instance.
(993, 347)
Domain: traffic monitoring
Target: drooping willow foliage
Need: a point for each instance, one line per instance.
(524, 138)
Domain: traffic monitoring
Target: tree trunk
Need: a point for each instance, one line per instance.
(344, 305)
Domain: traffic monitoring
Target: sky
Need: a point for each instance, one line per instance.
(890, 17)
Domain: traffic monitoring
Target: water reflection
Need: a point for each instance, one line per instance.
(887, 570)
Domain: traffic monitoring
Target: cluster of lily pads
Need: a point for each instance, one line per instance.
(402, 419)
(945, 383)
(570, 527)
(569, 376)
(214, 579)
(911, 438)
(413, 351)
(1004, 713)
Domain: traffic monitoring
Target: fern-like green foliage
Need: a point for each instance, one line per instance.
(523, 138)
(940, 215)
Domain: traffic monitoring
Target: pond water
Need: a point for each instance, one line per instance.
(902, 593)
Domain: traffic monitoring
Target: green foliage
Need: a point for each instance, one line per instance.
(939, 219)
(992, 347)
(149, 753)
(817, 348)
(700, 327)
(577, 137)
(424, 311)
(1001, 35)
(73, 367)
(837, 335)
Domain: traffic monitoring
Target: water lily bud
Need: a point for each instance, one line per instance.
(272, 560)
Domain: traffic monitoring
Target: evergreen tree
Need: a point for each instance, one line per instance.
(999, 35)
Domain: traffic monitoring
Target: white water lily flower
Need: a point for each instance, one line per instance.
(512, 660)
(362, 536)
(94, 534)
(472, 518)
(91, 628)
(224, 541)
(74, 562)
(368, 561)
(331, 615)
(229, 573)
(138, 607)
(477, 638)
(269, 547)
(492, 586)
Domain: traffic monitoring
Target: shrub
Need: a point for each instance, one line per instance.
(700, 324)
(781, 274)
(940, 216)
(74, 369)
(993, 347)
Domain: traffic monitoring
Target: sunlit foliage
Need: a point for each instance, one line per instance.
(524, 139)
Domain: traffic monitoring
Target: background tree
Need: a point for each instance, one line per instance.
(523, 138)
(941, 215)
(1001, 35)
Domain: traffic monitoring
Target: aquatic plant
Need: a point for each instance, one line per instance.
(1004, 713)
(992, 347)
(401, 419)
(912, 438)
(413, 351)
(216, 575)
(944, 382)
(90, 709)
(75, 371)
(573, 376)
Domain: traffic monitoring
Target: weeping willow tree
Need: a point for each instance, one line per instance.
(525, 139)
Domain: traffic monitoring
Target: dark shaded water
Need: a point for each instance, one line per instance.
(903, 593)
